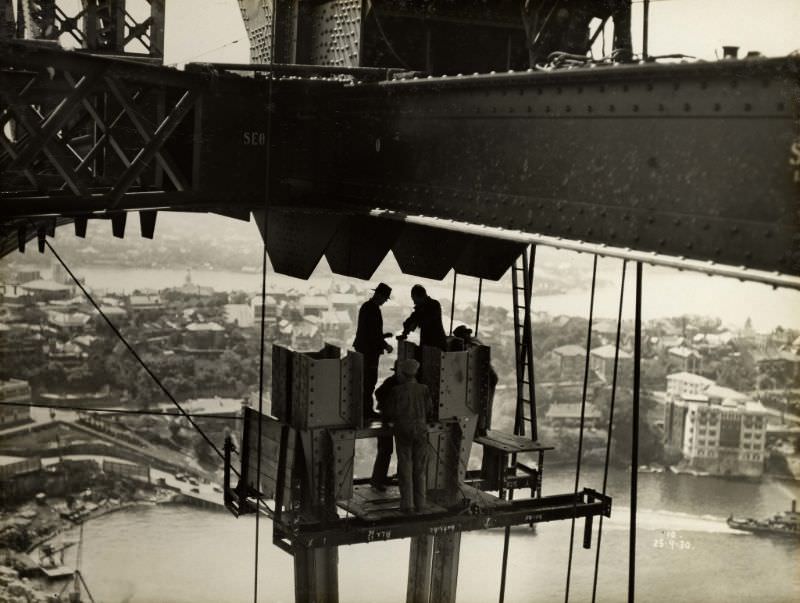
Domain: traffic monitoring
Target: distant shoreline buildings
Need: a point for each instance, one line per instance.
(717, 429)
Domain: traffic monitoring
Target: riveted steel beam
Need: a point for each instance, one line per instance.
(696, 160)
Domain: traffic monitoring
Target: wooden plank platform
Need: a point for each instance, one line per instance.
(371, 505)
(510, 443)
(484, 500)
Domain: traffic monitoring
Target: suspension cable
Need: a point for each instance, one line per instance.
(610, 427)
(478, 309)
(580, 428)
(135, 354)
(268, 159)
(453, 301)
(637, 361)
(527, 350)
(119, 411)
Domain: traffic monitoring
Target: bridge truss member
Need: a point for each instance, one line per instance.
(562, 26)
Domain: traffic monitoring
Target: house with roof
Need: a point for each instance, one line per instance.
(68, 354)
(685, 358)
(204, 335)
(68, 320)
(346, 302)
(601, 361)
(306, 336)
(569, 415)
(336, 325)
(781, 365)
(14, 394)
(43, 290)
(240, 315)
(145, 305)
(571, 360)
(314, 305)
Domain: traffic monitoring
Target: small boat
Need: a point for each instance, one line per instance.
(786, 524)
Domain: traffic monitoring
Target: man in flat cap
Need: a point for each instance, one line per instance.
(370, 342)
(408, 407)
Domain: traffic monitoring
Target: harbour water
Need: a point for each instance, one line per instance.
(667, 292)
(685, 552)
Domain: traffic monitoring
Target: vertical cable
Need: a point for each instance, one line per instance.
(580, 432)
(610, 427)
(637, 361)
(453, 301)
(478, 310)
(270, 111)
(645, 28)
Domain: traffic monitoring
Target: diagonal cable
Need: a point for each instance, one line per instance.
(610, 426)
(135, 354)
(580, 429)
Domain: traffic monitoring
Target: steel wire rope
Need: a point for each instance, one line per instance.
(453, 301)
(610, 426)
(637, 359)
(478, 309)
(120, 411)
(135, 354)
(580, 428)
(268, 160)
(520, 412)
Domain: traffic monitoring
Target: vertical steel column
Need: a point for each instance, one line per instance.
(286, 16)
(433, 568)
(316, 575)
(157, 10)
(444, 573)
(420, 559)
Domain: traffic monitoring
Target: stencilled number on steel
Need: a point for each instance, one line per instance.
(254, 139)
(794, 160)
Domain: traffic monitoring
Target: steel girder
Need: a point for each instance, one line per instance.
(88, 137)
(695, 160)
(99, 25)
(700, 160)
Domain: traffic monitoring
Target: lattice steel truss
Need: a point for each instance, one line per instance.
(100, 25)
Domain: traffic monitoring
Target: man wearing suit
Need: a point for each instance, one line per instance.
(427, 315)
(370, 342)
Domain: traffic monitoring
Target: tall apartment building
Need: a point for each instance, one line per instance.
(717, 429)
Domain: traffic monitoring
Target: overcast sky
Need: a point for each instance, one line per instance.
(206, 29)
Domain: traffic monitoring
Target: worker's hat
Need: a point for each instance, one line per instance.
(462, 330)
(408, 367)
(383, 289)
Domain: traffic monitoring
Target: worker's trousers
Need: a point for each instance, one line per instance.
(412, 457)
(380, 470)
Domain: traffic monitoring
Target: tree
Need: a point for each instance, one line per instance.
(650, 441)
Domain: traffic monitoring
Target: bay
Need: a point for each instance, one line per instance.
(685, 552)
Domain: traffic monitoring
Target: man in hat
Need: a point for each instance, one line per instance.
(427, 315)
(370, 342)
(408, 407)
